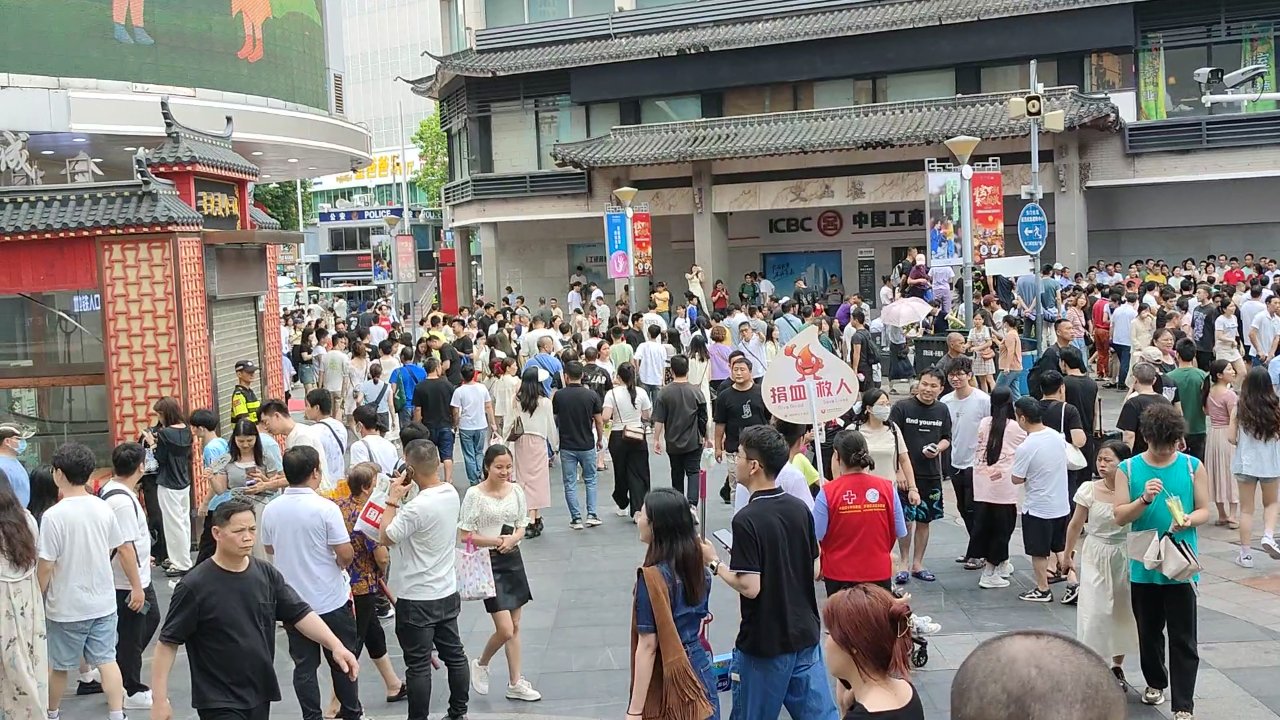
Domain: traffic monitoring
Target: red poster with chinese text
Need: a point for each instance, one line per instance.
(988, 216)
(642, 237)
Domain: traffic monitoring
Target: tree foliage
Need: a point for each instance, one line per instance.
(433, 158)
(281, 201)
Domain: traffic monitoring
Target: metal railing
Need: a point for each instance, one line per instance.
(511, 185)
(1202, 133)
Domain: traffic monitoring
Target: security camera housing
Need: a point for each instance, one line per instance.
(1209, 75)
(1244, 75)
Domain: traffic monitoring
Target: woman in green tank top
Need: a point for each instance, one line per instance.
(1146, 486)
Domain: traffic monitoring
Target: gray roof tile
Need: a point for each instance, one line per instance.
(262, 220)
(186, 146)
(857, 19)
(902, 124)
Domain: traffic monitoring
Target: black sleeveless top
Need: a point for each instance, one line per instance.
(913, 710)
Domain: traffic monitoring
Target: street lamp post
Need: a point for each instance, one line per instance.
(962, 147)
(625, 195)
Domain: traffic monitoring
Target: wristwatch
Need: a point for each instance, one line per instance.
(714, 566)
(393, 503)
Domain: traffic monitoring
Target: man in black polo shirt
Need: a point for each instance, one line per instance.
(777, 656)
(925, 424)
(738, 406)
(577, 410)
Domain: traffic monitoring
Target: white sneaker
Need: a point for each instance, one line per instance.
(620, 512)
(94, 675)
(138, 701)
(522, 690)
(1244, 559)
(1269, 547)
(920, 626)
(1005, 569)
(993, 581)
(479, 677)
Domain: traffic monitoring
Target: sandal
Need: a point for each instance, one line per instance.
(924, 575)
(1221, 522)
(1056, 577)
(974, 564)
(401, 694)
(1233, 525)
(902, 578)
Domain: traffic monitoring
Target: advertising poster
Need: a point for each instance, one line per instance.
(815, 267)
(1151, 79)
(943, 206)
(381, 251)
(642, 237)
(1259, 48)
(988, 216)
(617, 247)
(592, 258)
(406, 259)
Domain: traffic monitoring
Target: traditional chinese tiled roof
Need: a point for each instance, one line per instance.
(885, 125)
(145, 204)
(185, 147)
(262, 220)
(859, 18)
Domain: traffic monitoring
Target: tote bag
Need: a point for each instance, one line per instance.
(369, 521)
(475, 573)
(1075, 458)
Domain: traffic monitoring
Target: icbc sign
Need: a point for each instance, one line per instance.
(830, 223)
(790, 225)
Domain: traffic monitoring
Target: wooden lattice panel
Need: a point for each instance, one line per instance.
(271, 329)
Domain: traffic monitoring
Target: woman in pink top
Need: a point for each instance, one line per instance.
(1219, 402)
(994, 494)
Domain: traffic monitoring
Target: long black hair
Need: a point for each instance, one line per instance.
(1259, 410)
(698, 349)
(674, 541)
(17, 542)
(1216, 368)
(1001, 414)
(44, 491)
(530, 391)
(494, 452)
(245, 427)
(627, 374)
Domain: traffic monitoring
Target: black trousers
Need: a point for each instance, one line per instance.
(1203, 359)
(685, 470)
(630, 471)
(155, 521)
(993, 525)
(369, 633)
(1155, 608)
(1195, 445)
(262, 712)
(306, 653)
(134, 631)
(962, 483)
(420, 626)
(206, 546)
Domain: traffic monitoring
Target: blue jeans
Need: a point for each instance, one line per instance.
(1012, 379)
(570, 461)
(796, 681)
(473, 451)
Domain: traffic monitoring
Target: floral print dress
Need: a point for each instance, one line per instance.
(24, 662)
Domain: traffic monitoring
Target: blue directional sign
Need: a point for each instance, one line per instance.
(1033, 229)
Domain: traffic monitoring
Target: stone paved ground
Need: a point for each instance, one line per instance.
(576, 630)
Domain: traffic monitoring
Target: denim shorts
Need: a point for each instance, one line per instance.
(1241, 477)
(95, 640)
(443, 439)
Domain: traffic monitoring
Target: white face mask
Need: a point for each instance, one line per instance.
(880, 412)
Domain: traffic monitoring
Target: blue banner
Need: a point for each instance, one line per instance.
(360, 215)
(617, 245)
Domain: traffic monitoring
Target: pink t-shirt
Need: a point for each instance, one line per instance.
(1218, 407)
(1001, 491)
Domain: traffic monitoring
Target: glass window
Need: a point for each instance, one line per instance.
(457, 25)
(498, 13)
(561, 123)
(1104, 71)
(58, 415)
(540, 10)
(1007, 78)
(921, 85)
(582, 8)
(51, 333)
(760, 99)
(833, 94)
(601, 118)
(671, 109)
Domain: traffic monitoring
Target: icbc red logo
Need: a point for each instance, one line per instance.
(830, 223)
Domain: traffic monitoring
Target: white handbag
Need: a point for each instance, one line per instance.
(1075, 458)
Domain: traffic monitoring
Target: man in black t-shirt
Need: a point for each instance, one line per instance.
(680, 420)
(1082, 394)
(925, 424)
(1203, 318)
(225, 612)
(1144, 378)
(776, 655)
(577, 410)
(737, 407)
(595, 377)
(433, 407)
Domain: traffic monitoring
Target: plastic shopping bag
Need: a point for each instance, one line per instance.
(475, 573)
(369, 521)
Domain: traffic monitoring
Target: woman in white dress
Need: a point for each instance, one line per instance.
(1104, 612)
(696, 280)
(24, 662)
(504, 387)
(1226, 333)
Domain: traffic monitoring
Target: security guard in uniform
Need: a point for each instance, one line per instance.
(244, 402)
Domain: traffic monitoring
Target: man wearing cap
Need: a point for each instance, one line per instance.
(244, 402)
(13, 442)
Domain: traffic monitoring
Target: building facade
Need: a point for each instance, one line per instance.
(792, 138)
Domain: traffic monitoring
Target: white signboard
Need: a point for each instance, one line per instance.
(808, 384)
(1011, 267)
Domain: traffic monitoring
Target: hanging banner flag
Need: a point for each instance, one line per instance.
(642, 239)
(988, 216)
(1259, 48)
(1151, 79)
(944, 209)
(617, 243)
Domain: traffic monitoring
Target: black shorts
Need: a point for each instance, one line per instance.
(930, 507)
(835, 586)
(1041, 538)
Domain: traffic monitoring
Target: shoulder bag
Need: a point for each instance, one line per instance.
(1075, 458)
(674, 692)
(633, 433)
(517, 430)
(1162, 551)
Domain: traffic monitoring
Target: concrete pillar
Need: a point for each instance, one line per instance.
(488, 235)
(1071, 216)
(462, 253)
(710, 231)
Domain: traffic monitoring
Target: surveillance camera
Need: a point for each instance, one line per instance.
(1209, 75)
(1244, 75)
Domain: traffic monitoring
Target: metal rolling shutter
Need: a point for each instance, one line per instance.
(235, 338)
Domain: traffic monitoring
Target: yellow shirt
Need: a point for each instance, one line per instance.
(663, 300)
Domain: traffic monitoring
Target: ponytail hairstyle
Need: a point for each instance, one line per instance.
(1216, 368)
(850, 448)
(627, 374)
(869, 624)
(1001, 414)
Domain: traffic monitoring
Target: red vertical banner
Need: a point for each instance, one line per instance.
(988, 216)
(642, 238)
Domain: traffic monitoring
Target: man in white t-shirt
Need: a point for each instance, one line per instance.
(335, 371)
(274, 415)
(751, 344)
(1264, 331)
(330, 432)
(372, 446)
(651, 357)
(77, 538)
(473, 417)
(134, 627)
(1040, 463)
(422, 536)
(967, 406)
(308, 539)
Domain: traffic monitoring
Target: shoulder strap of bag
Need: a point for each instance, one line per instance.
(378, 401)
(334, 433)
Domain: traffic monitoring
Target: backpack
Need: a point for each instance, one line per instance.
(400, 399)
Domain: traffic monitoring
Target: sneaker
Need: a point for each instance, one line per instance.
(522, 690)
(1183, 715)
(1244, 559)
(576, 524)
(992, 581)
(1005, 569)
(1037, 595)
(138, 701)
(593, 521)
(1152, 696)
(1072, 594)
(173, 572)
(1269, 547)
(141, 37)
(920, 626)
(88, 688)
(621, 512)
(479, 677)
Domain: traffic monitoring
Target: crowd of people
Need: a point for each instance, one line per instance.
(284, 532)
